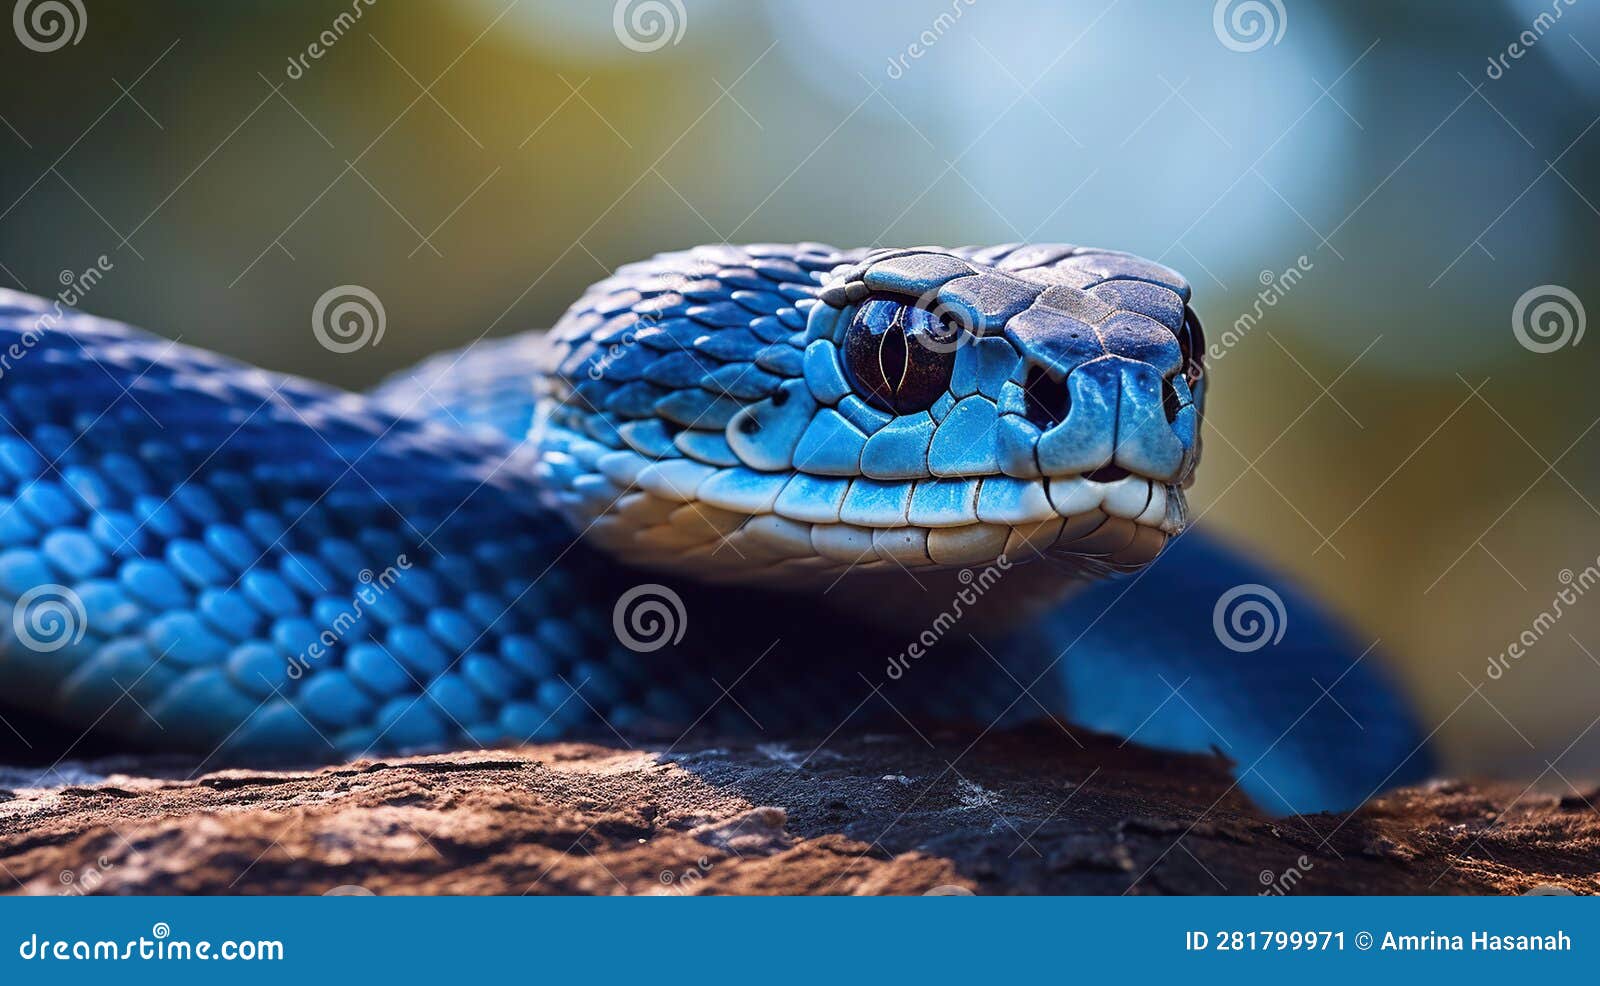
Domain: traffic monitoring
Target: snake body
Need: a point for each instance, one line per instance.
(779, 489)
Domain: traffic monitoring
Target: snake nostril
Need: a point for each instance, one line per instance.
(1047, 399)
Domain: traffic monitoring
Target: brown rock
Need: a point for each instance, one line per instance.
(1019, 812)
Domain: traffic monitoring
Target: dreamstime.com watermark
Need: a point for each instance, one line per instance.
(1547, 318)
(976, 583)
(330, 36)
(374, 585)
(49, 25)
(684, 883)
(928, 38)
(1530, 36)
(84, 880)
(1249, 25)
(75, 286)
(1576, 585)
(1279, 884)
(649, 25)
(620, 347)
(1274, 287)
(1249, 617)
(347, 318)
(159, 947)
(648, 617)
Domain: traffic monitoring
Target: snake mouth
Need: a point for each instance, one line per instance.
(1093, 524)
(750, 523)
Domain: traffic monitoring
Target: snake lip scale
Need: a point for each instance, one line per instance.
(793, 456)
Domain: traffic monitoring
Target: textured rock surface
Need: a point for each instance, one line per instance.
(1001, 813)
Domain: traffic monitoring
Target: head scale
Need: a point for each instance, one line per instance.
(774, 411)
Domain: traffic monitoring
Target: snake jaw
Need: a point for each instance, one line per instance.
(713, 410)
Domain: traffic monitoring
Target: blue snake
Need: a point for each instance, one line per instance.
(770, 490)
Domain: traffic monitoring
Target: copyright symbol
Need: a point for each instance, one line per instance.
(1363, 940)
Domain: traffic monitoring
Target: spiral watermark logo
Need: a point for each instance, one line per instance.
(956, 327)
(48, 618)
(649, 25)
(1249, 617)
(1548, 318)
(1249, 25)
(347, 318)
(160, 930)
(49, 25)
(649, 617)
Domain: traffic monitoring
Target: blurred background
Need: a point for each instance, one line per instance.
(1362, 193)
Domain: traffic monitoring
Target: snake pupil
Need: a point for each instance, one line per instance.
(892, 354)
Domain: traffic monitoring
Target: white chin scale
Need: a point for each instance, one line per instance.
(738, 523)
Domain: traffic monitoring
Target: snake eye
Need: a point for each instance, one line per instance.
(898, 356)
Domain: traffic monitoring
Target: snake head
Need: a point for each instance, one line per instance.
(743, 411)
